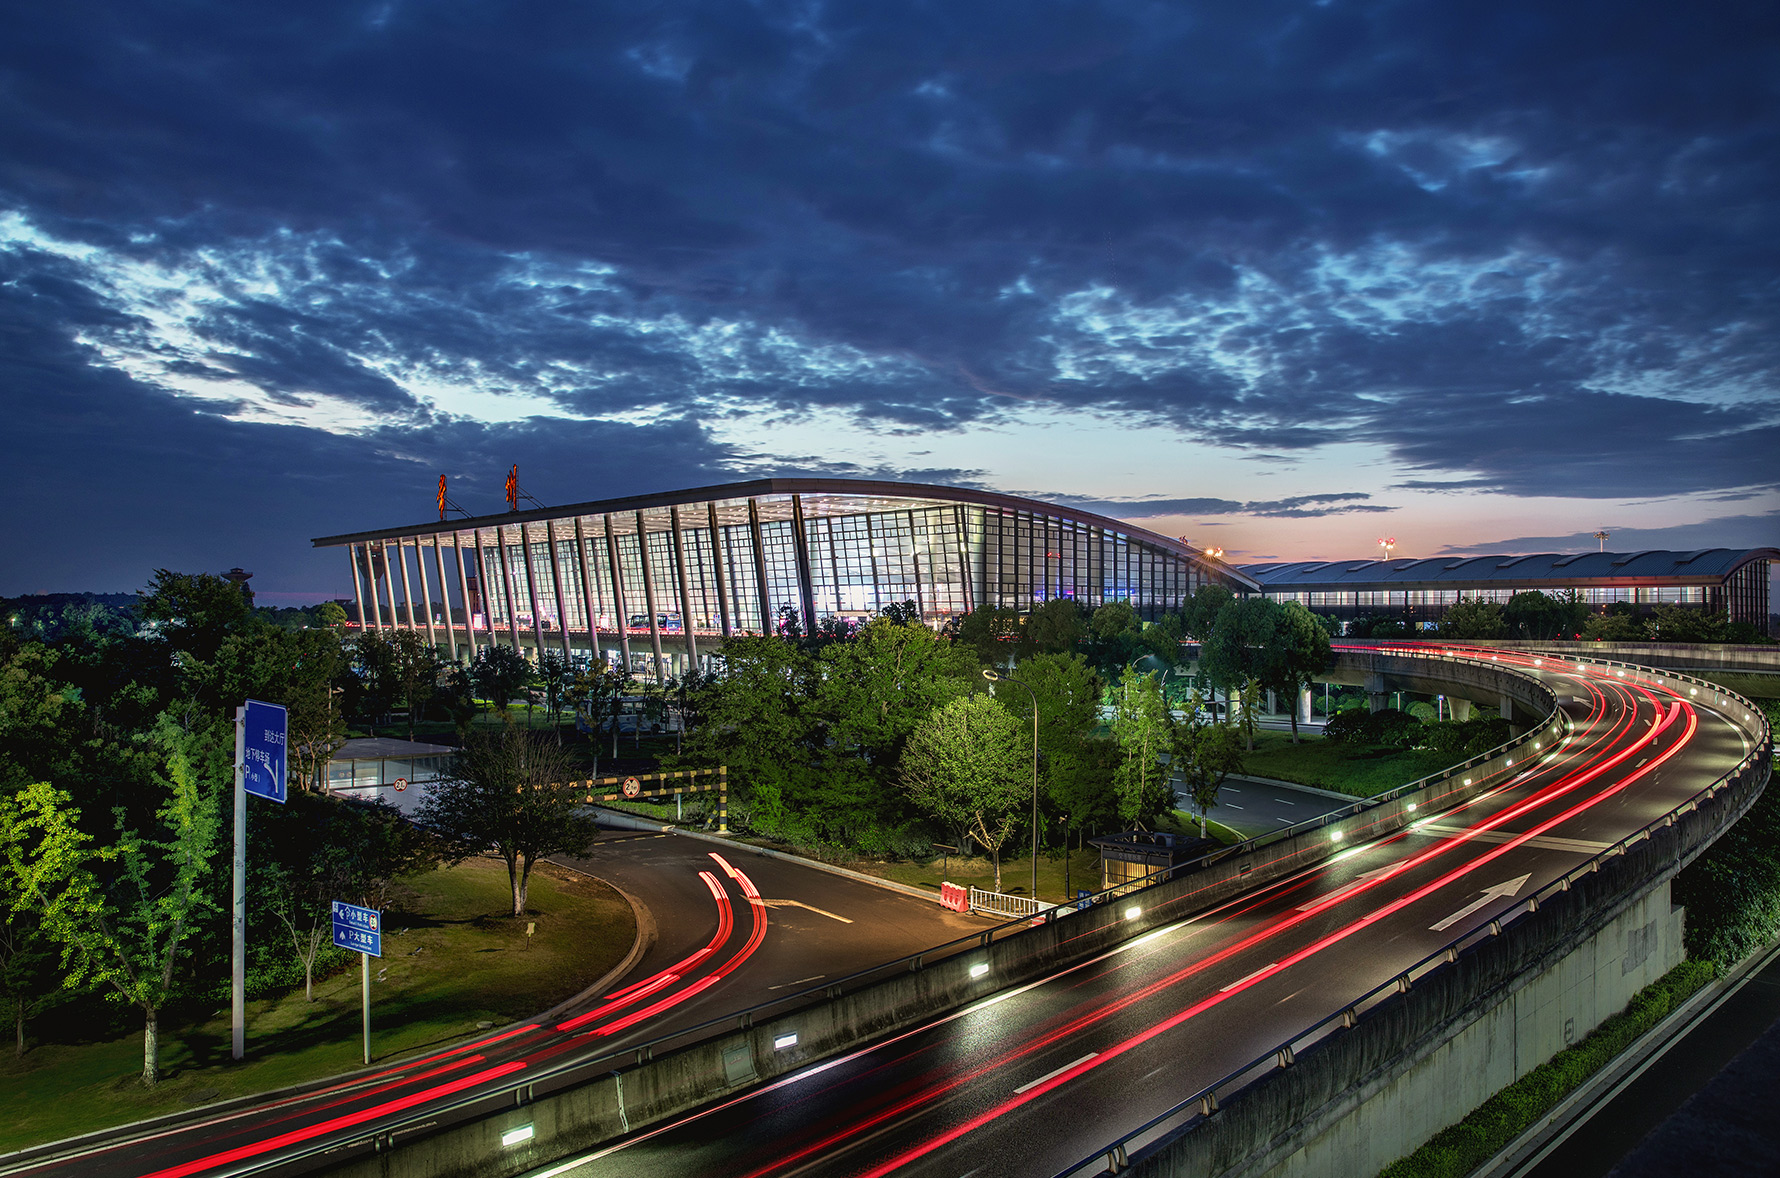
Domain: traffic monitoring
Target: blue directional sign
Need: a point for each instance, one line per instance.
(358, 929)
(1082, 903)
(263, 750)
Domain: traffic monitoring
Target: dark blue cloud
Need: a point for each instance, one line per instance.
(1526, 248)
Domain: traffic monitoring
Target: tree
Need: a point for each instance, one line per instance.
(509, 790)
(596, 690)
(195, 612)
(1532, 614)
(554, 674)
(1472, 617)
(1068, 692)
(330, 614)
(498, 673)
(1204, 754)
(1299, 652)
(1057, 627)
(30, 978)
(1241, 651)
(1201, 611)
(872, 693)
(967, 765)
(416, 672)
(991, 631)
(122, 913)
(314, 850)
(1140, 727)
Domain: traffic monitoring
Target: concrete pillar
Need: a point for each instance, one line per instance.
(1461, 708)
(426, 595)
(407, 590)
(719, 557)
(531, 592)
(680, 577)
(806, 578)
(1304, 705)
(766, 605)
(1377, 701)
(649, 599)
(1272, 703)
(500, 547)
(463, 595)
(587, 599)
(358, 597)
(1505, 705)
(389, 585)
(444, 594)
(562, 606)
(618, 602)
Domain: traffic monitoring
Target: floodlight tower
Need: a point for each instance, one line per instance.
(1602, 537)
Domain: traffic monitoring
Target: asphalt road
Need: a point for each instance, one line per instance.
(1251, 806)
(1039, 1078)
(727, 930)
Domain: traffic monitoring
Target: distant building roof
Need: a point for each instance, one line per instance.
(1651, 567)
(378, 748)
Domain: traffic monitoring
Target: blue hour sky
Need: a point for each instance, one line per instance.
(1278, 277)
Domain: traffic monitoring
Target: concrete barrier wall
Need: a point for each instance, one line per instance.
(1420, 1061)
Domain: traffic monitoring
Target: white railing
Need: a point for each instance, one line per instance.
(1001, 904)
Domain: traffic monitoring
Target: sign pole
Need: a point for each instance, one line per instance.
(365, 985)
(238, 919)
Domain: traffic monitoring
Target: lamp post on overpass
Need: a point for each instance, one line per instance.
(993, 676)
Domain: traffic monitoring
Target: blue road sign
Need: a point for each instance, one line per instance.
(1082, 903)
(358, 929)
(263, 750)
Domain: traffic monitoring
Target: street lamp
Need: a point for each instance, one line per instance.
(993, 676)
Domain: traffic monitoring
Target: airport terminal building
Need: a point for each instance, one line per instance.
(1421, 590)
(645, 579)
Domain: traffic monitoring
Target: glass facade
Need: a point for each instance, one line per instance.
(744, 563)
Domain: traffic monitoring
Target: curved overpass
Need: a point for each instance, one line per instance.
(1046, 1063)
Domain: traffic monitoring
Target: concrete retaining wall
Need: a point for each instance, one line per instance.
(1418, 1062)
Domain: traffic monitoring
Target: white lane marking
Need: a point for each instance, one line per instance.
(798, 982)
(1500, 891)
(807, 907)
(1287, 821)
(1247, 978)
(1055, 1074)
(1231, 806)
(1283, 802)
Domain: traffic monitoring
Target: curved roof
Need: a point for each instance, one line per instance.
(819, 496)
(1702, 566)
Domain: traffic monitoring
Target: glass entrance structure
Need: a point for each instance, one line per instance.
(750, 558)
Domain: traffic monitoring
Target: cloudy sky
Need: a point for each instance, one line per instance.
(1279, 277)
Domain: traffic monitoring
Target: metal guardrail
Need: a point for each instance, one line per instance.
(1116, 1157)
(1004, 905)
(522, 1091)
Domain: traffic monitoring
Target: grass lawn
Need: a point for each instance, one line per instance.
(1340, 767)
(452, 961)
(1082, 869)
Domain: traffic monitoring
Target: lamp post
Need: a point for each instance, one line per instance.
(993, 676)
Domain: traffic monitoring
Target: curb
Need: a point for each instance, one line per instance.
(640, 944)
(632, 822)
(1574, 1111)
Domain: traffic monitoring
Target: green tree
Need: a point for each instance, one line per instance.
(1298, 654)
(510, 790)
(499, 673)
(1071, 770)
(330, 614)
(967, 765)
(1535, 615)
(314, 850)
(1056, 627)
(123, 913)
(1242, 651)
(1201, 611)
(1471, 618)
(555, 673)
(30, 974)
(1620, 623)
(195, 612)
(872, 693)
(759, 718)
(1140, 727)
(1204, 754)
(992, 632)
(596, 690)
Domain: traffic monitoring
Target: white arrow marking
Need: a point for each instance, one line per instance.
(1345, 888)
(1500, 891)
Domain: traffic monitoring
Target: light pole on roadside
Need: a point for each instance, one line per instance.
(994, 676)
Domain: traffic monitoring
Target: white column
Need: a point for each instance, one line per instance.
(500, 547)
(426, 596)
(407, 592)
(358, 597)
(463, 592)
(562, 606)
(685, 597)
(531, 588)
(444, 593)
(389, 586)
(649, 598)
(587, 598)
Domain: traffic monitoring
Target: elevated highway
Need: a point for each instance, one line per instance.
(1098, 1034)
